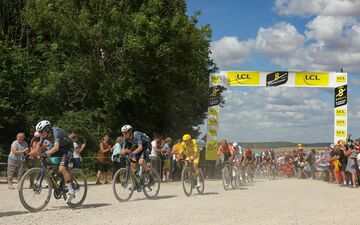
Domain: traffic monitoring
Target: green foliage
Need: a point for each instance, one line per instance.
(92, 66)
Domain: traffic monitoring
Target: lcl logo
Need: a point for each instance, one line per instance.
(243, 77)
(311, 77)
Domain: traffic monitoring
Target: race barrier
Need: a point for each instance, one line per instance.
(335, 80)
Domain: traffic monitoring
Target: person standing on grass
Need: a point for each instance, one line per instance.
(103, 158)
(117, 161)
(77, 150)
(167, 161)
(15, 166)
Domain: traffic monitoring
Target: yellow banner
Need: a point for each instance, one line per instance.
(311, 79)
(211, 150)
(212, 121)
(213, 111)
(340, 112)
(243, 78)
(212, 132)
(341, 79)
(340, 133)
(341, 123)
(215, 79)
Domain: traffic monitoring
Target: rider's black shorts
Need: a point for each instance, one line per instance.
(227, 155)
(249, 158)
(64, 152)
(144, 154)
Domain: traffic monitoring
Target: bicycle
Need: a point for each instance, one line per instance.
(125, 182)
(38, 183)
(272, 172)
(188, 179)
(230, 176)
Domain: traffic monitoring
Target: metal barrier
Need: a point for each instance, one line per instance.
(155, 162)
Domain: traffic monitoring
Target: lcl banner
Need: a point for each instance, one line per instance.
(335, 80)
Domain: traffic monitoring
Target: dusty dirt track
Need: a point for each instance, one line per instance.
(282, 201)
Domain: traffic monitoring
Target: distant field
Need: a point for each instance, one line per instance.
(280, 149)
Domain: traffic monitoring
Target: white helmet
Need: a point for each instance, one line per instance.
(235, 144)
(126, 128)
(42, 125)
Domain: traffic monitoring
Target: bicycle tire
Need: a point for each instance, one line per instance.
(24, 202)
(73, 173)
(119, 178)
(226, 178)
(202, 187)
(156, 179)
(187, 181)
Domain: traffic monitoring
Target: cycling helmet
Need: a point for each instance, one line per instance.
(271, 150)
(42, 125)
(235, 144)
(257, 155)
(186, 137)
(126, 128)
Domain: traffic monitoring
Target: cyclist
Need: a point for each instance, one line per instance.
(257, 158)
(62, 146)
(227, 150)
(237, 155)
(190, 149)
(266, 159)
(138, 145)
(249, 160)
(273, 157)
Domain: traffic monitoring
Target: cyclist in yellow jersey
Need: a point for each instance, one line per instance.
(190, 149)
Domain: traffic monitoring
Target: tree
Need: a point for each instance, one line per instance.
(102, 64)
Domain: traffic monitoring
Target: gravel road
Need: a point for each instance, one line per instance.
(281, 201)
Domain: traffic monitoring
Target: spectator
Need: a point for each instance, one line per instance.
(177, 156)
(343, 162)
(15, 167)
(156, 150)
(119, 162)
(167, 161)
(352, 166)
(77, 150)
(103, 158)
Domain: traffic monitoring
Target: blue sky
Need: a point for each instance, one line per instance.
(317, 35)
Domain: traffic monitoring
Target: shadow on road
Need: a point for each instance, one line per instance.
(86, 206)
(208, 193)
(14, 213)
(158, 198)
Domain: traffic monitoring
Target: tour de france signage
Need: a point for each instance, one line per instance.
(335, 80)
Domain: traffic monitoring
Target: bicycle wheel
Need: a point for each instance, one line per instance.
(187, 181)
(79, 183)
(152, 182)
(232, 174)
(35, 189)
(123, 185)
(201, 187)
(226, 178)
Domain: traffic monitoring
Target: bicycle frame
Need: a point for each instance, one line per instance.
(44, 169)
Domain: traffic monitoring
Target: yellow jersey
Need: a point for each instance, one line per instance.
(190, 149)
(177, 150)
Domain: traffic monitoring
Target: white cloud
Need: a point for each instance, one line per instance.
(333, 35)
(279, 40)
(316, 7)
(274, 114)
(229, 51)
